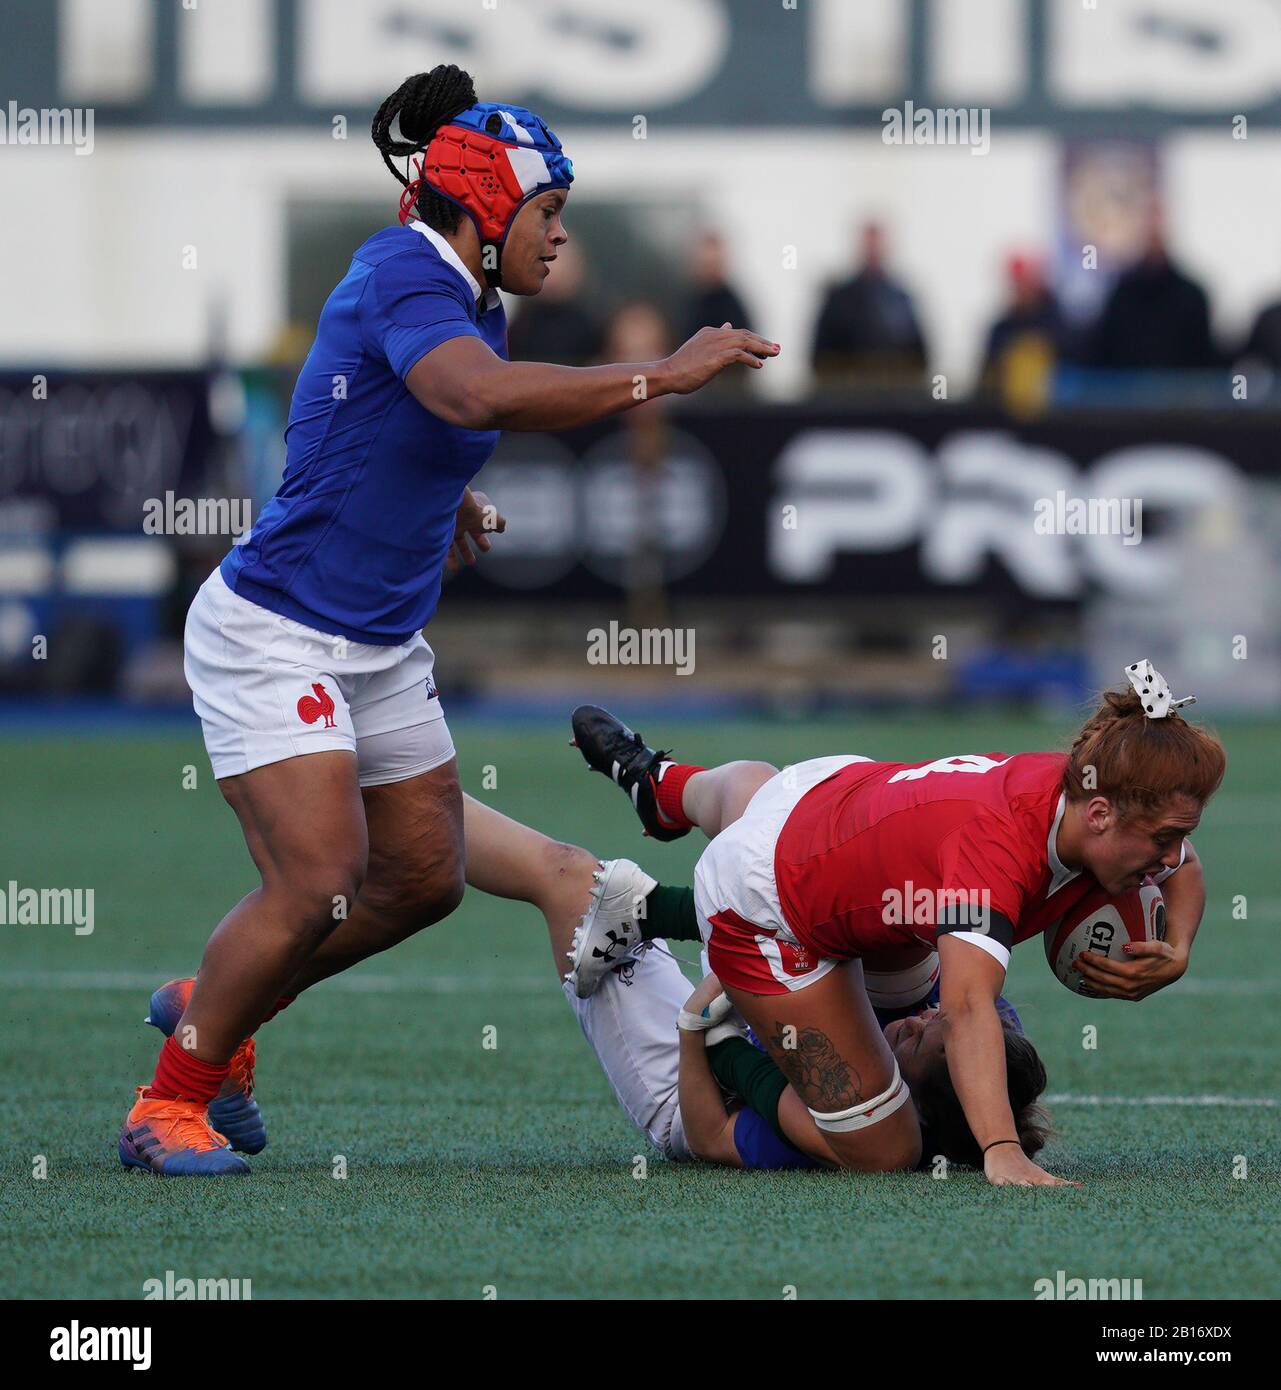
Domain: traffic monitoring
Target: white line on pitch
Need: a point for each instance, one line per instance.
(1019, 989)
(1250, 1101)
(145, 981)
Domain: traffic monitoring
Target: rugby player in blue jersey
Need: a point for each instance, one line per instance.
(304, 649)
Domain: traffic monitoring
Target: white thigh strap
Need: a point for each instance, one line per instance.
(866, 1112)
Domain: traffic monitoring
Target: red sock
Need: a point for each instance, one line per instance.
(182, 1076)
(668, 792)
(282, 1003)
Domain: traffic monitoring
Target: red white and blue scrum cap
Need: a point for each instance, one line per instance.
(490, 160)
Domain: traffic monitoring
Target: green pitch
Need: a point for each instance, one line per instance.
(512, 1169)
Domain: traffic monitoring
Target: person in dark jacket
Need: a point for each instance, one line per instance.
(1156, 317)
(867, 328)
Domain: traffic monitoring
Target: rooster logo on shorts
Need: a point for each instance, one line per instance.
(320, 706)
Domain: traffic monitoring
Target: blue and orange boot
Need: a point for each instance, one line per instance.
(233, 1111)
(175, 1139)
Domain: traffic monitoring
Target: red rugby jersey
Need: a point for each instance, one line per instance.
(959, 826)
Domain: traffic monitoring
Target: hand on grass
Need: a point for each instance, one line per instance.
(1007, 1165)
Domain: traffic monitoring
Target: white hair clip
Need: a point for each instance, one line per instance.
(1151, 687)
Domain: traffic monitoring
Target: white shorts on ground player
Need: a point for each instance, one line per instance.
(267, 688)
(630, 1022)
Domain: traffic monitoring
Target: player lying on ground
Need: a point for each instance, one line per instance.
(661, 1076)
(671, 1084)
(763, 1122)
(812, 870)
(620, 951)
(304, 649)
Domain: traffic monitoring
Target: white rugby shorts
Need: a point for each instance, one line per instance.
(630, 1022)
(267, 688)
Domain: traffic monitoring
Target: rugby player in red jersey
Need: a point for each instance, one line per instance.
(683, 1066)
(832, 862)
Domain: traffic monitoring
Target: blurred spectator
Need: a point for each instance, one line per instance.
(1264, 343)
(1032, 311)
(867, 329)
(1025, 342)
(638, 332)
(557, 325)
(1155, 317)
(713, 300)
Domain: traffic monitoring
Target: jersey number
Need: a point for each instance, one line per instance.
(963, 762)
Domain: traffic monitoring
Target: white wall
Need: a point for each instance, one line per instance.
(91, 246)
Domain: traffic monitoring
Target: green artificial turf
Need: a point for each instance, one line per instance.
(512, 1169)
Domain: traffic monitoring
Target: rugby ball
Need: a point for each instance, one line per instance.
(1103, 924)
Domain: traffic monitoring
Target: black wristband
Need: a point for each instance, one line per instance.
(995, 1142)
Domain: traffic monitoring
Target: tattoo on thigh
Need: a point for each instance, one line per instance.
(814, 1067)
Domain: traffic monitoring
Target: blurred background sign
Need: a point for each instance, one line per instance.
(86, 450)
(695, 62)
(1019, 254)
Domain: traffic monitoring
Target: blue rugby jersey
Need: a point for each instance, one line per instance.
(355, 539)
(759, 1147)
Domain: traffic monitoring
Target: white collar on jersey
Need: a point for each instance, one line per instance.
(452, 258)
(1060, 873)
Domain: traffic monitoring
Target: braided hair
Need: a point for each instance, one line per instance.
(420, 105)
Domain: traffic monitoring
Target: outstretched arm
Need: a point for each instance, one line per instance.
(970, 980)
(467, 384)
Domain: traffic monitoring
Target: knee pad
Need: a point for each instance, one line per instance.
(867, 1112)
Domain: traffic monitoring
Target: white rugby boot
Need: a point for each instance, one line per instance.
(610, 931)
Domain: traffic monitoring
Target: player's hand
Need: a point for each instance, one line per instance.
(1007, 1165)
(709, 352)
(1152, 966)
(477, 520)
(709, 988)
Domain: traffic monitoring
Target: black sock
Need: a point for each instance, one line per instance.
(669, 913)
